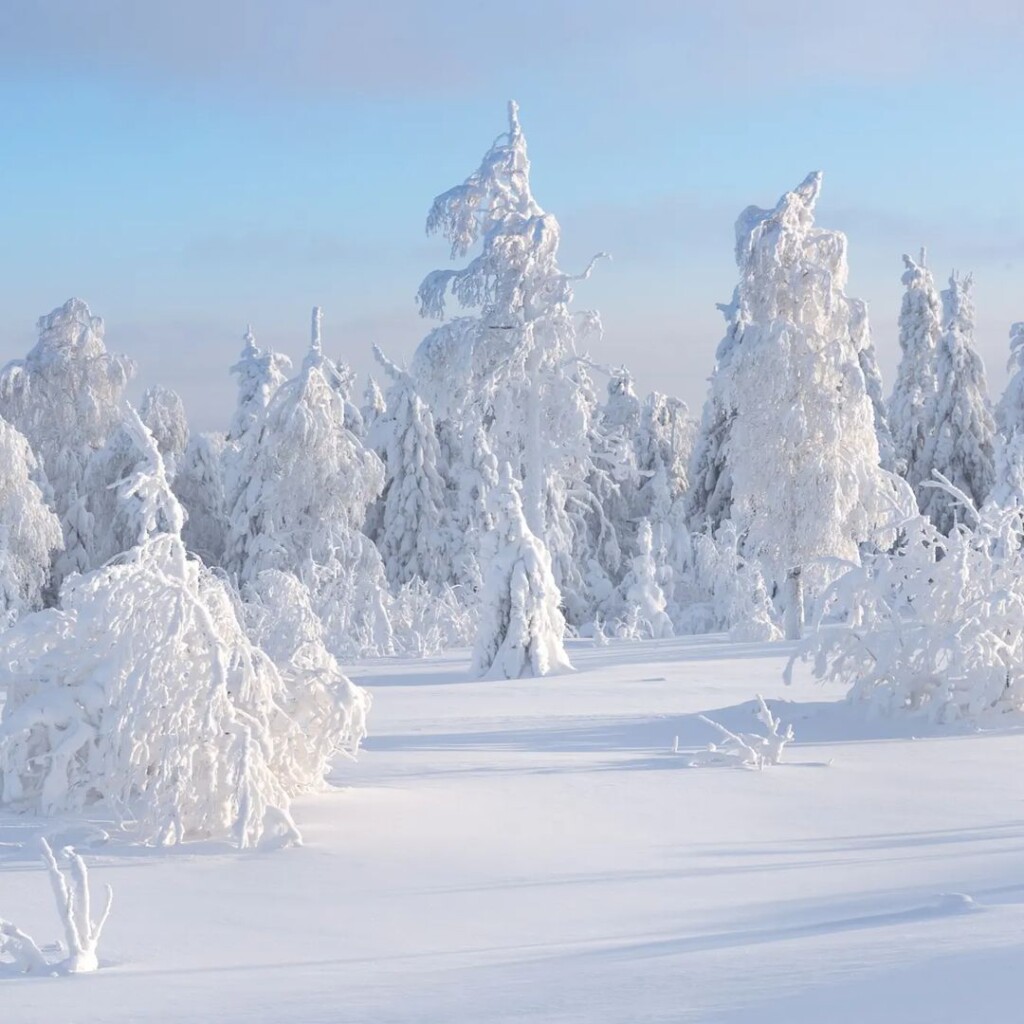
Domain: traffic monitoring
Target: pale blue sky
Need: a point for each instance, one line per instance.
(189, 167)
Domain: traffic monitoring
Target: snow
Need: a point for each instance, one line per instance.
(533, 850)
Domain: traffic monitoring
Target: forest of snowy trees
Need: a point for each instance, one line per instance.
(177, 607)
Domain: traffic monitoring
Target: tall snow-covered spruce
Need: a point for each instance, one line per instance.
(802, 454)
(510, 368)
(1008, 488)
(521, 626)
(910, 406)
(961, 440)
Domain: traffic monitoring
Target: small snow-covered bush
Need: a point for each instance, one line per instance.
(428, 620)
(745, 749)
(937, 628)
(143, 691)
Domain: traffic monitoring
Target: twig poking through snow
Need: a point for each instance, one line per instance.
(750, 750)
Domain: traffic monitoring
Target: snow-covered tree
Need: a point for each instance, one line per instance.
(163, 412)
(961, 440)
(937, 628)
(199, 486)
(30, 534)
(803, 453)
(643, 598)
(67, 397)
(259, 375)
(129, 499)
(1008, 488)
(860, 334)
(521, 627)
(920, 325)
(511, 366)
(415, 537)
(143, 692)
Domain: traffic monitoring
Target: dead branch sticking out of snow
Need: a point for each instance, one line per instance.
(747, 750)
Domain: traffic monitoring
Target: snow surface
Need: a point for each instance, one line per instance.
(533, 850)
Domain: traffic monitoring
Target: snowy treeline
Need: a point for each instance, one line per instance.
(176, 606)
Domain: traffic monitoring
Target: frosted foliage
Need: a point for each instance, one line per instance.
(664, 446)
(415, 537)
(427, 620)
(163, 412)
(199, 486)
(301, 481)
(937, 629)
(709, 497)
(806, 481)
(510, 367)
(643, 596)
(143, 692)
(30, 534)
(714, 588)
(1010, 411)
(521, 627)
(920, 325)
(259, 375)
(860, 334)
(961, 441)
(66, 396)
(132, 498)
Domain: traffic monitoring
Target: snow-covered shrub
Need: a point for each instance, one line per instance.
(937, 628)
(427, 620)
(748, 750)
(715, 588)
(74, 905)
(143, 691)
(642, 597)
(521, 627)
(30, 533)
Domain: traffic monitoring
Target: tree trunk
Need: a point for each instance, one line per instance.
(794, 605)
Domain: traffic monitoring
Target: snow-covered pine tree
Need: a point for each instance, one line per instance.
(961, 440)
(259, 375)
(509, 367)
(163, 412)
(803, 453)
(199, 486)
(708, 500)
(521, 627)
(297, 495)
(1008, 488)
(30, 534)
(920, 325)
(67, 397)
(642, 596)
(415, 536)
(860, 333)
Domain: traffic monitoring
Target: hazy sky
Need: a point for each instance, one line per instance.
(189, 167)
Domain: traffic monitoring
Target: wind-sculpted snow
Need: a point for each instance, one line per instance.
(142, 692)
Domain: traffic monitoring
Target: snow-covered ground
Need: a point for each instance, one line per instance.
(534, 851)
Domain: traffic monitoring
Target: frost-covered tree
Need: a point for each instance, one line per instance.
(67, 397)
(521, 627)
(803, 453)
(642, 596)
(961, 440)
(259, 375)
(199, 486)
(920, 325)
(708, 500)
(511, 366)
(415, 537)
(163, 413)
(30, 533)
(860, 333)
(129, 501)
(1008, 488)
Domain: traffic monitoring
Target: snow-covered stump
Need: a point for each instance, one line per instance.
(69, 878)
(71, 890)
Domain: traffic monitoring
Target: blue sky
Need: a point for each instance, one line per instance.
(190, 167)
